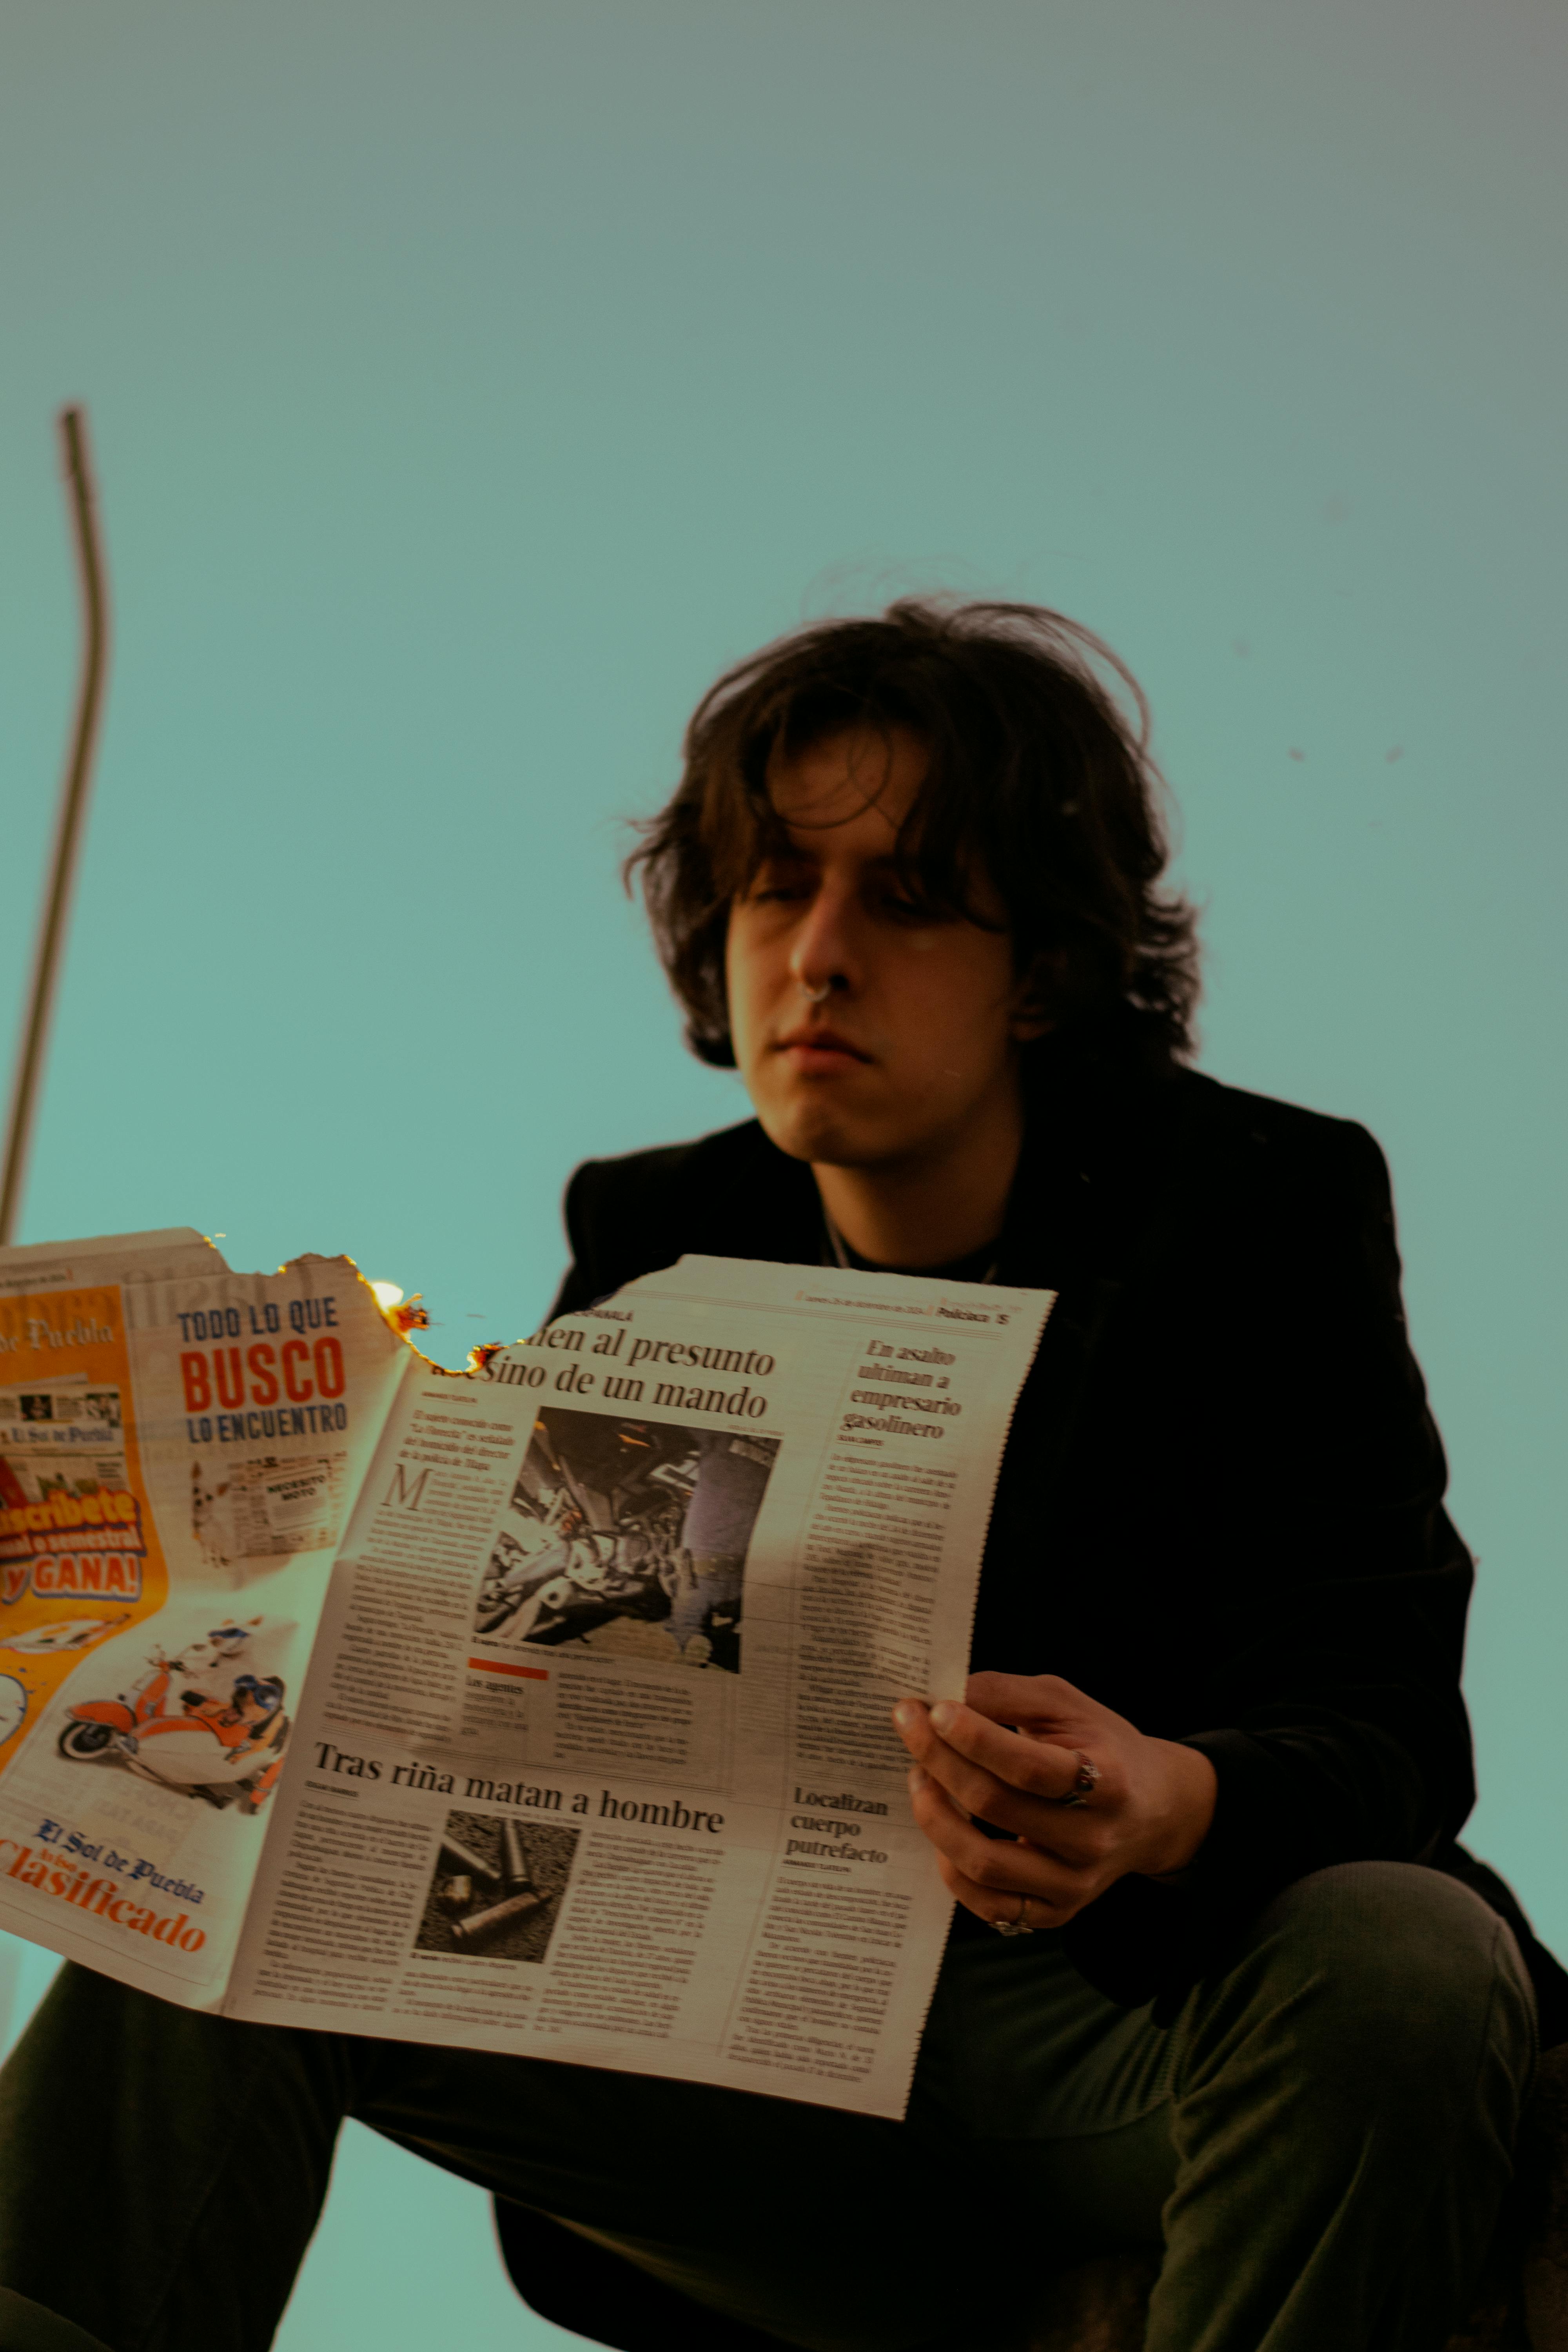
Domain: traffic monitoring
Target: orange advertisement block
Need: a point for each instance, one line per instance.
(79, 1558)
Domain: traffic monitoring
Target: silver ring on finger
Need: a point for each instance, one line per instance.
(1085, 1782)
(1018, 1924)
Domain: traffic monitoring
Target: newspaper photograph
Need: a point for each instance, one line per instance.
(629, 1537)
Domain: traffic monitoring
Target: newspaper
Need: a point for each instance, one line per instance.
(540, 1708)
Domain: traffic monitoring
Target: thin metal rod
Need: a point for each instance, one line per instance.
(55, 919)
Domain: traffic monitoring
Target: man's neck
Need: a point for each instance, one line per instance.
(925, 1212)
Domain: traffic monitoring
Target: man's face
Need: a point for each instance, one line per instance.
(911, 1041)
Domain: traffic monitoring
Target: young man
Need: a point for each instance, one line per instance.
(1245, 2006)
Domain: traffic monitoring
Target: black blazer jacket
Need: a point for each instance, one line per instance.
(1220, 1511)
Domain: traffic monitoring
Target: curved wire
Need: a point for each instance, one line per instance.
(54, 921)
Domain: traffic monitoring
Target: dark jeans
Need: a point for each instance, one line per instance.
(1320, 2142)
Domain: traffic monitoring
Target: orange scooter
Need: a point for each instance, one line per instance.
(228, 1751)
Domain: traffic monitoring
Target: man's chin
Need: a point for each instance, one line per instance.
(816, 1133)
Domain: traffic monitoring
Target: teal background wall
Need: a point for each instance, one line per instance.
(470, 384)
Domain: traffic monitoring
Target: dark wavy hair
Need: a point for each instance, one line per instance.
(1038, 776)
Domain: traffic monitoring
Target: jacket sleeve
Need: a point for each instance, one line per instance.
(581, 1284)
(623, 1217)
(1331, 1584)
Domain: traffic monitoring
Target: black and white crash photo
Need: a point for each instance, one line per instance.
(628, 1537)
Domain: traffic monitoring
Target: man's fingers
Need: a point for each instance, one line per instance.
(985, 1797)
(1042, 1768)
(1028, 1699)
(947, 1736)
(999, 1867)
(1078, 1834)
(1012, 1910)
(972, 1788)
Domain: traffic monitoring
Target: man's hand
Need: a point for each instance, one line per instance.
(1149, 1811)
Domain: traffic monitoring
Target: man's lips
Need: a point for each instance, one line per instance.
(820, 1048)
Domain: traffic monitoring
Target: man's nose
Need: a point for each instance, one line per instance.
(822, 954)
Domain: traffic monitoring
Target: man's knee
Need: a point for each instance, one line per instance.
(28, 2326)
(1378, 1968)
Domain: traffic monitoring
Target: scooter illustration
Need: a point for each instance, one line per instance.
(226, 1749)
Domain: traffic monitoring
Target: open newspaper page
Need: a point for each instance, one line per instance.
(596, 1761)
(179, 1446)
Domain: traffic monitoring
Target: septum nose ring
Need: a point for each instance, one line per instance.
(817, 995)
